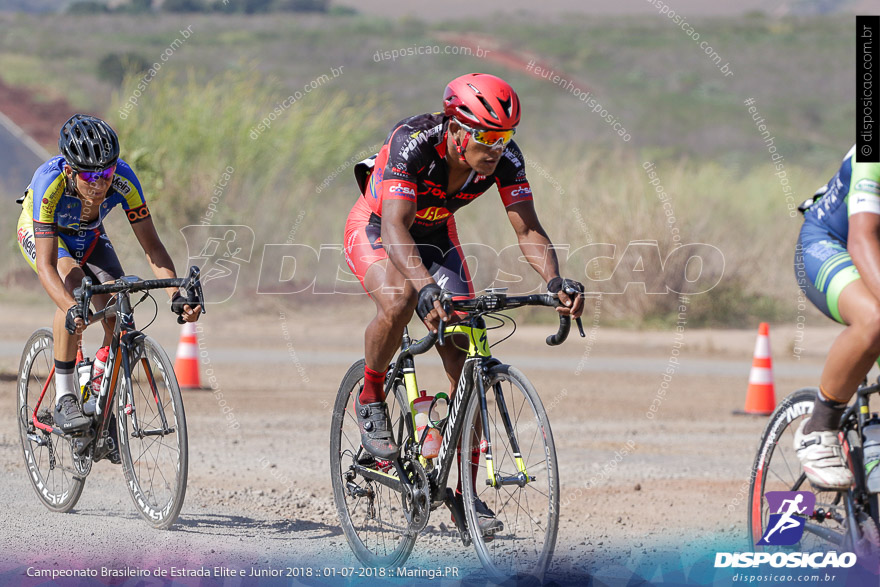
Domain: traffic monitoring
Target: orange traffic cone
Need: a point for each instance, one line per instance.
(186, 365)
(760, 398)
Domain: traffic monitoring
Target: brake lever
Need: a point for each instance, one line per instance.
(445, 297)
(580, 325)
(84, 298)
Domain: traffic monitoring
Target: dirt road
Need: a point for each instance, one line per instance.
(260, 496)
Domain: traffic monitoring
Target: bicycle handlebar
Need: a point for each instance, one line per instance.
(131, 284)
(493, 302)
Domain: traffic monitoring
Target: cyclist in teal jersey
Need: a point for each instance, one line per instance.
(61, 235)
(837, 264)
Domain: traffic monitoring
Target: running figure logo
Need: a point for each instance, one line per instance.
(786, 526)
(220, 251)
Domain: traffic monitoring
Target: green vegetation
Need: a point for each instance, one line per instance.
(195, 118)
(193, 6)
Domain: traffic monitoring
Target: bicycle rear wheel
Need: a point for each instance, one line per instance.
(523, 548)
(152, 434)
(372, 515)
(48, 457)
(777, 468)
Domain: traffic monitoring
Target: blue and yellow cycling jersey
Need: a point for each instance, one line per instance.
(51, 210)
(49, 201)
(854, 188)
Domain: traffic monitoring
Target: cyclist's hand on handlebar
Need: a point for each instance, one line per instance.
(570, 293)
(180, 306)
(429, 308)
(73, 321)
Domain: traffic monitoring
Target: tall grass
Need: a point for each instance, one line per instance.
(182, 138)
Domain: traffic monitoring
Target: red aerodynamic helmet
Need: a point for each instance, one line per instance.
(482, 101)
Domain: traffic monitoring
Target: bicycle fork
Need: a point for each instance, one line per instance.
(494, 479)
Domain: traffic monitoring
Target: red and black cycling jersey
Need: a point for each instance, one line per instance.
(411, 165)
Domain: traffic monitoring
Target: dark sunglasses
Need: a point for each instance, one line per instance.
(93, 176)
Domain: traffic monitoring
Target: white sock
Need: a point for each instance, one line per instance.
(65, 379)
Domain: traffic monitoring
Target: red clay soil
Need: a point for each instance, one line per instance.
(40, 119)
(507, 56)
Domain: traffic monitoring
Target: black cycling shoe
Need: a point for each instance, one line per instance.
(69, 416)
(489, 524)
(376, 434)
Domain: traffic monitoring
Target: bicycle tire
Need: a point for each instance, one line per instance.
(777, 468)
(158, 500)
(511, 553)
(55, 483)
(374, 542)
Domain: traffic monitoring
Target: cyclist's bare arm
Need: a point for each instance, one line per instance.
(397, 217)
(539, 251)
(160, 261)
(47, 270)
(863, 245)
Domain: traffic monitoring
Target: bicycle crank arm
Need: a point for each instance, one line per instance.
(385, 479)
(824, 533)
(457, 516)
(520, 479)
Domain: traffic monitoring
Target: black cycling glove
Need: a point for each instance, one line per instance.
(178, 302)
(427, 295)
(73, 312)
(569, 286)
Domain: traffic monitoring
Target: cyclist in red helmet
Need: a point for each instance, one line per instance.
(401, 240)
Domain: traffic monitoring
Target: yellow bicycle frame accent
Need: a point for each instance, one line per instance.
(478, 339)
(478, 346)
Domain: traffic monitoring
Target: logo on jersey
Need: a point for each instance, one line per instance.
(433, 191)
(519, 193)
(27, 244)
(433, 214)
(138, 214)
(866, 185)
(402, 190)
(121, 185)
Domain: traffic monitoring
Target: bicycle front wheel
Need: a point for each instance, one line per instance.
(48, 457)
(152, 434)
(372, 515)
(521, 546)
(777, 468)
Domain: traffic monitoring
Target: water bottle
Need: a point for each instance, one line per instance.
(84, 376)
(430, 447)
(871, 453)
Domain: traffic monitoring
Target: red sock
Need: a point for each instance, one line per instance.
(475, 466)
(374, 386)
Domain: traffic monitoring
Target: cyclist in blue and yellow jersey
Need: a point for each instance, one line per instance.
(61, 235)
(837, 262)
(401, 241)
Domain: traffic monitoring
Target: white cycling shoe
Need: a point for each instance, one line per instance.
(822, 457)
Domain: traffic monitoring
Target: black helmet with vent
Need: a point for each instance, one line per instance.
(88, 143)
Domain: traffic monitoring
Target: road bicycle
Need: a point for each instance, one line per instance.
(384, 505)
(145, 426)
(845, 521)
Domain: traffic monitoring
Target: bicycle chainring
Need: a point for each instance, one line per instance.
(416, 497)
(82, 461)
(868, 548)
